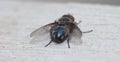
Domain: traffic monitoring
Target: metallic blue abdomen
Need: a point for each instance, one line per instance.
(60, 33)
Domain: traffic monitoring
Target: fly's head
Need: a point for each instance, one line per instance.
(66, 19)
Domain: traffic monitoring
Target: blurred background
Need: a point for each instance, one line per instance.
(108, 2)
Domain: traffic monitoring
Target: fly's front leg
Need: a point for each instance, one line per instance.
(77, 23)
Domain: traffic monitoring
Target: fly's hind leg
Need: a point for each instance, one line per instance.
(48, 43)
(68, 42)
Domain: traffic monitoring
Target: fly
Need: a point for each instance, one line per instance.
(65, 28)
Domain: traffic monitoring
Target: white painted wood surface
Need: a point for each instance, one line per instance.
(19, 19)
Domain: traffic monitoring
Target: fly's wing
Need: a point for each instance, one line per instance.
(41, 33)
(76, 36)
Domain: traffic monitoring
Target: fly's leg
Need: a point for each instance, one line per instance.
(77, 23)
(87, 31)
(48, 43)
(68, 40)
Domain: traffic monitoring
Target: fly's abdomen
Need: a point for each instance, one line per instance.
(59, 34)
